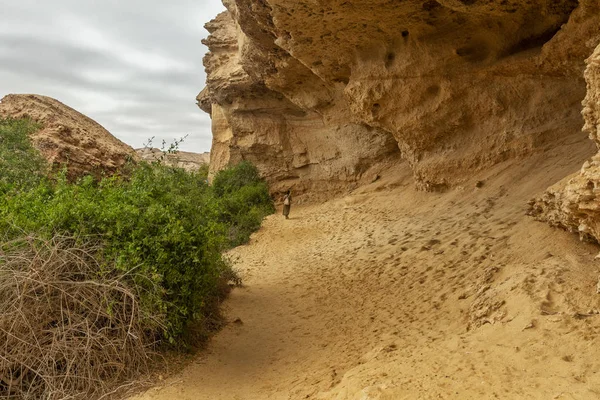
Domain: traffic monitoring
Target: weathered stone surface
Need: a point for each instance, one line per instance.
(313, 150)
(319, 94)
(574, 203)
(68, 137)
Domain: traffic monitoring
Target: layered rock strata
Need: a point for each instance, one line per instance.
(574, 203)
(320, 94)
(68, 137)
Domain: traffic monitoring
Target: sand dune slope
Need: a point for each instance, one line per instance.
(390, 293)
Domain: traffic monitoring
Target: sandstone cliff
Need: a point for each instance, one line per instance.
(68, 137)
(321, 95)
(574, 203)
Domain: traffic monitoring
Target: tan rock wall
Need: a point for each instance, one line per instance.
(325, 92)
(574, 203)
(294, 143)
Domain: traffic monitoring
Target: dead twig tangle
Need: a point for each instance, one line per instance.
(68, 330)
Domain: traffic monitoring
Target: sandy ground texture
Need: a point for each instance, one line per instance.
(390, 293)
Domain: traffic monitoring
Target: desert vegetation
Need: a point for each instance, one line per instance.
(97, 275)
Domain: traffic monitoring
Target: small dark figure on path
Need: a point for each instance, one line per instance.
(287, 204)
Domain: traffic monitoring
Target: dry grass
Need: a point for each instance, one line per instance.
(65, 331)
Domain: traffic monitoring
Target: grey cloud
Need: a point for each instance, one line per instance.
(135, 66)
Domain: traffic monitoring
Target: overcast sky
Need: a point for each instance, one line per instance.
(134, 66)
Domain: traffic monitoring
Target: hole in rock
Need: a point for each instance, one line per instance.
(404, 33)
(389, 59)
(475, 52)
(375, 108)
(532, 42)
(343, 80)
(433, 90)
(431, 5)
(563, 12)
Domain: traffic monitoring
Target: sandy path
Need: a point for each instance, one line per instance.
(395, 294)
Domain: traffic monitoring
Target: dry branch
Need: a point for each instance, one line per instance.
(67, 330)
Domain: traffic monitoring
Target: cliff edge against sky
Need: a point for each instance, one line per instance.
(322, 95)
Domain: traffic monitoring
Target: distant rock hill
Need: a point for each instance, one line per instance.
(68, 137)
(182, 159)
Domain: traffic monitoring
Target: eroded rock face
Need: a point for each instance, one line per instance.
(319, 93)
(68, 137)
(574, 203)
(309, 148)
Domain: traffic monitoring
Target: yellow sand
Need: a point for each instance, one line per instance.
(390, 293)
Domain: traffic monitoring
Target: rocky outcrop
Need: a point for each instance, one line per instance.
(180, 159)
(309, 148)
(67, 137)
(574, 203)
(321, 94)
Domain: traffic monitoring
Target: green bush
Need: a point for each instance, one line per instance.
(233, 179)
(165, 224)
(21, 166)
(244, 200)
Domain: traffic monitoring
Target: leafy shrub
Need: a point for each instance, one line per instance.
(160, 222)
(21, 166)
(166, 224)
(244, 200)
(233, 179)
